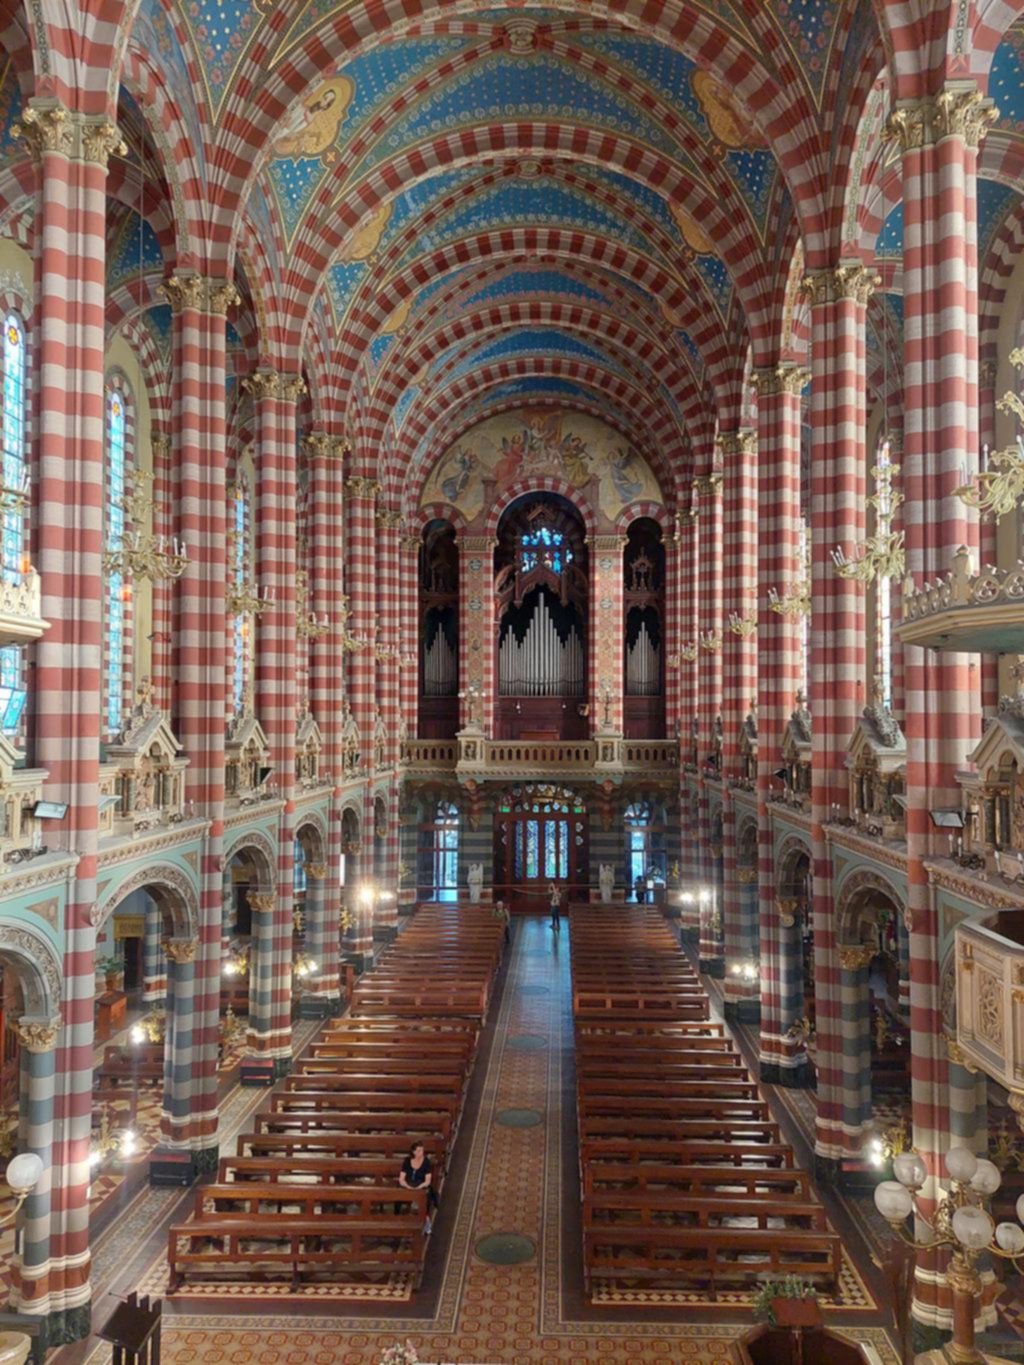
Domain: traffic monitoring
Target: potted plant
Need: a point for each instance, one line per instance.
(113, 972)
(788, 1302)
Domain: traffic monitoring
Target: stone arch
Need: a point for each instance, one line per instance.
(312, 833)
(789, 875)
(854, 899)
(746, 842)
(37, 967)
(261, 854)
(530, 487)
(170, 887)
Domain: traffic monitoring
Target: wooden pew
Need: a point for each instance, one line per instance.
(725, 1182)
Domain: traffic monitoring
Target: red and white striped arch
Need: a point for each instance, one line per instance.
(546, 483)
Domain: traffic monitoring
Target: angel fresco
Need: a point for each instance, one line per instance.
(312, 127)
(728, 120)
(457, 474)
(627, 474)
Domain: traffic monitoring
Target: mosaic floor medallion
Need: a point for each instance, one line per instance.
(506, 1248)
(534, 989)
(519, 1118)
(527, 1042)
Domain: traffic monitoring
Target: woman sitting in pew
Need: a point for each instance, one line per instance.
(417, 1174)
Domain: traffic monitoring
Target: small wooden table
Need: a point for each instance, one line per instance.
(112, 1011)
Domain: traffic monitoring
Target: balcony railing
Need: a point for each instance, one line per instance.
(990, 996)
(967, 611)
(20, 610)
(505, 757)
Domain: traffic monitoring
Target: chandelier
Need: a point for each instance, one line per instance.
(141, 554)
(999, 488)
(248, 599)
(797, 601)
(349, 642)
(308, 626)
(711, 640)
(881, 555)
(743, 626)
(381, 652)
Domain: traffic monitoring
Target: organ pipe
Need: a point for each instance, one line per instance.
(643, 673)
(440, 668)
(541, 664)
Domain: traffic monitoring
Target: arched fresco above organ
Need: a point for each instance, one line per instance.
(530, 443)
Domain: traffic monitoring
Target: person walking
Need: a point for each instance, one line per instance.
(501, 911)
(556, 905)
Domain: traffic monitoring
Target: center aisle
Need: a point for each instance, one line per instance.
(511, 1288)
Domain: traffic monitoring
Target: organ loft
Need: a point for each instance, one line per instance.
(511, 685)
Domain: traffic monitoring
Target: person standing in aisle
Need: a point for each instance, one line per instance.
(556, 903)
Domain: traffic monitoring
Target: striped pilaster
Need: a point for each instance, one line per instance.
(275, 397)
(321, 940)
(199, 306)
(939, 137)
(389, 524)
(707, 491)
(477, 635)
(264, 1010)
(778, 677)
(739, 678)
(161, 588)
(606, 643)
(838, 299)
(689, 625)
(71, 153)
(154, 965)
(36, 1133)
(674, 610)
(360, 584)
(409, 682)
(855, 1055)
(325, 457)
(176, 1119)
(987, 539)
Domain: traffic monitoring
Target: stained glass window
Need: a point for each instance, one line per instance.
(12, 689)
(117, 461)
(544, 546)
(299, 878)
(242, 626)
(446, 851)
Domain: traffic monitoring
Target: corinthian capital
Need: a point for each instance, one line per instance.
(737, 442)
(388, 519)
(46, 128)
(293, 386)
(318, 445)
(360, 487)
(853, 957)
(829, 285)
(775, 379)
(263, 384)
(220, 297)
(183, 291)
(708, 485)
(99, 140)
(180, 950)
(957, 111)
(38, 1035)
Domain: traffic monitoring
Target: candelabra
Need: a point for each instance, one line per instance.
(881, 555)
(308, 626)
(246, 598)
(304, 965)
(140, 554)
(961, 1222)
(711, 640)
(108, 1139)
(797, 601)
(999, 488)
(381, 652)
(237, 962)
(349, 642)
(743, 626)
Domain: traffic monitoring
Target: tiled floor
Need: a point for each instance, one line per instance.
(506, 1179)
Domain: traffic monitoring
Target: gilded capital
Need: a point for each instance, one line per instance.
(957, 111)
(411, 543)
(737, 442)
(180, 950)
(854, 957)
(479, 545)
(220, 297)
(788, 908)
(318, 445)
(263, 384)
(388, 519)
(160, 445)
(263, 902)
(987, 372)
(38, 1035)
(606, 545)
(833, 283)
(46, 128)
(746, 876)
(99, 140)
(183, 291)
(293, 386)
(360, 487)
(708, 485)
(317, 871)
(775, 379)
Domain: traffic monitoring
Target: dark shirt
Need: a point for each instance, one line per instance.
(415, 1177)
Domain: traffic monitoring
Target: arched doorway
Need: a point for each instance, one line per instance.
(314, 940)
(541, 835)
(253, 958)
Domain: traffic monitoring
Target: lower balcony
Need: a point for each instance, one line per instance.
(496, 759)
(990, 996)
(971, 612)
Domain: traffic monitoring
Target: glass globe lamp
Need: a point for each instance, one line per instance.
(972, 1227)
(1010, 1238)
(987, 1178)
(893, 1201)
(24, 1173)
(961, 1164)
(909, 1170)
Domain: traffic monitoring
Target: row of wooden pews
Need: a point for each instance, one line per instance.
(312, 1193)
(686, 1179)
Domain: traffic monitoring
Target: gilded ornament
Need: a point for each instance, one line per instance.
(38, 1035)
(220, 296)
(360, 487)
(957, 1055)
(160, 445)
(318, 871)
(180, 950)
(47, 129)
(183, 291)
(318, 445)
(788, 907)
(829, 285)
(854, 957)
(388, 520)
(263, 384)
(707, 485)
(780, 379)
(954, 112)
(263, 902)
(292, 388)
(737, 442)
(746, 876)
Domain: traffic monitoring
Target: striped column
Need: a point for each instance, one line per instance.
(477, 634)
(606, 644)
(263, 984)
(154, 966)
(389, 524)
(321, 942)
(689, 590)
(838, 299)
(408, 682)
(176, 1119)
(674, 610)
(988, 370)
(939, 137)
(36, 1133)
(162, 589)
(199, 307)
(360, 585)
(275, 397)
(739, 684)
(778, 677)
(325, 457)
(855, 1003)
(70, 152)
(708, 500)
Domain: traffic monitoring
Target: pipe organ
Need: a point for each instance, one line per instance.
(643, 666)
(440, 667)
(542, 663)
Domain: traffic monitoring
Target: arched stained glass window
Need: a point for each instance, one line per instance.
(15, 490)
(543, 545)
(118, 589)
(240, 588)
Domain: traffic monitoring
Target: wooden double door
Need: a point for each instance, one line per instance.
(538, 841)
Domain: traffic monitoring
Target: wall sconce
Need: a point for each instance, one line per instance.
(24, 1173)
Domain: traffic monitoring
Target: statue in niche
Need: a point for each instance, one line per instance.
(475, 881)
(606, 881)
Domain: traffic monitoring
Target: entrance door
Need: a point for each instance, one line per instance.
(540, 836)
